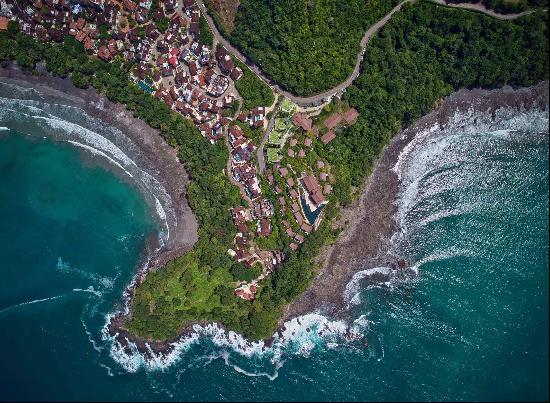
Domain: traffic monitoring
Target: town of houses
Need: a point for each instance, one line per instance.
(192, 79)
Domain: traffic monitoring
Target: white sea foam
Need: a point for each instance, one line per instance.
(436, 149)
(301, 336)
(351, 292)
(90, 290)
(106, 283)
(35, 301)
(97, 152)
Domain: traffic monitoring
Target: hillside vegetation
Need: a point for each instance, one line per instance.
(306, 46)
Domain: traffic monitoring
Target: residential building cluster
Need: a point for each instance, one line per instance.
(163, 45)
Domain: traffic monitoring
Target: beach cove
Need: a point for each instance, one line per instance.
(163, 180)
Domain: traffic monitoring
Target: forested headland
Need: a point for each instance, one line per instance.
(423, 54)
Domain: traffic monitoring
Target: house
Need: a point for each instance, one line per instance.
(80, 23)
(257, 116)
(236, 73)
(351, 116)
(333, 120)
(194, 29)
(307, 228)
(328, 137)
(129, 5)
(298, 217)
(4, 23)
(263, 228)
(226, 64)
(246, 291)
(104, 53)
(169, 5)
(313, 189)
(236, 136)
(303, 121)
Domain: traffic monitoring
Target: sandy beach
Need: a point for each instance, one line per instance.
(368, 224)
(160, 158)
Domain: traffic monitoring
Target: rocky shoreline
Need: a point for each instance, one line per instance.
(369, 223)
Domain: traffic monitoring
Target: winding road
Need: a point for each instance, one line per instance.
(315, 100)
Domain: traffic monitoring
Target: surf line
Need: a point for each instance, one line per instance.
(36, 301)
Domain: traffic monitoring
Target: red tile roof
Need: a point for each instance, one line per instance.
(4, 23)
(351, 115)
(328, 137)
(333, 120)
(302, 120)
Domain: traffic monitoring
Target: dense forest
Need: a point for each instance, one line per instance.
(305, 46)
(423, 54)
(253, 90)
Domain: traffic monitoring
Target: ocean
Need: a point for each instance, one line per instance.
(471, 323)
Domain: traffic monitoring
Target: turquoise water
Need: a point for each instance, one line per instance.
(310, 215)
(473, 324)
(70, 235)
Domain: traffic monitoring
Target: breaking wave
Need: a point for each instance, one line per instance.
(301, 336)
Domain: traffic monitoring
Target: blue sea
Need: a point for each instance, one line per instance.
(472, 323)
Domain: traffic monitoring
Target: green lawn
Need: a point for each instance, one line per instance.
(273, 155)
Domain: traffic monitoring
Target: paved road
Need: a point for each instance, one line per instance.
(320, 98)
(480, 7)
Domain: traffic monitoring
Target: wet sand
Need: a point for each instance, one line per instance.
(369, 223)
(160, 158)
